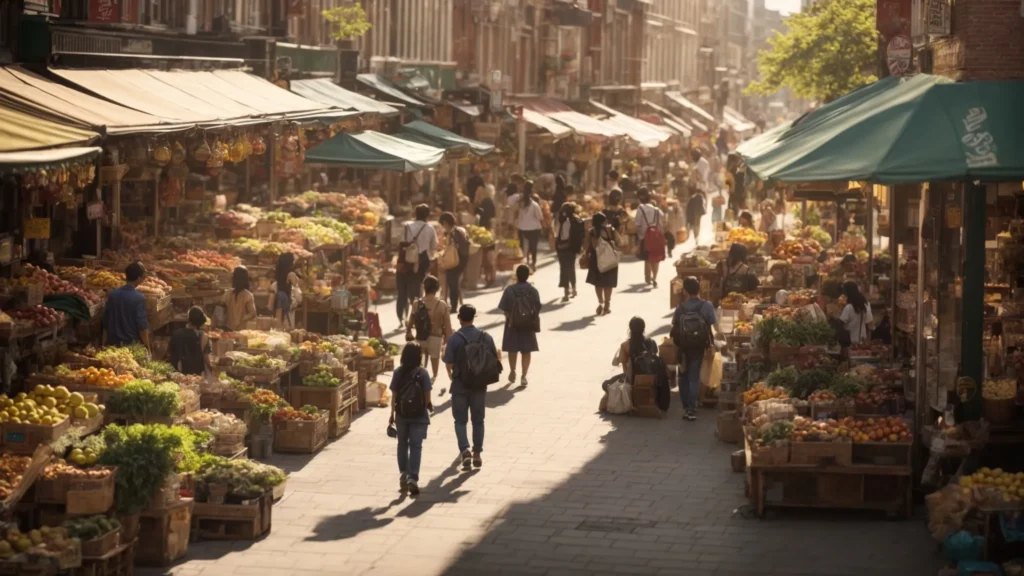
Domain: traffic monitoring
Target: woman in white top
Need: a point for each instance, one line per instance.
(421, 234)
(528, 222)
(856, 315)
(648, 216)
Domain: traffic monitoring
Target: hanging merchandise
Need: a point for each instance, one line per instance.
(216, 160)
(170, 192)
(138, 155)
(236, 152)
(259, 147)
(201, 153)
(161, 155)
(177, 153)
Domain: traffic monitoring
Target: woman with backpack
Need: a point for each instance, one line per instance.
(569, 233)
(635, 346)
(521, 304)
(649, 222)
(736, 276)
(410, 412)
(602, 237)
(419, 242)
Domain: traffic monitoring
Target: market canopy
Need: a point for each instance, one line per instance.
(582, 124)
(20, 131)
(325, 91)
(426, 133)
(381, 85)
(376, 151)
(557, 129)
(737, 121)
(43, 97)
(44, 159)
(902, 130)
(642, 132)
(692, 108)
(675, 122)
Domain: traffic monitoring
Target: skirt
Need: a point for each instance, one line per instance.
(519, 341)
(595, 277)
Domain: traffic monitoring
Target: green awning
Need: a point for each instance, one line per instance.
(20, 131)
(373, 150)
(426, 133)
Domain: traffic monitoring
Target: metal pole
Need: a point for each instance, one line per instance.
(115, 221)
(973, 303)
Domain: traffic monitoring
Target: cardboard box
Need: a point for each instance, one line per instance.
(669, 353)
(730, 427)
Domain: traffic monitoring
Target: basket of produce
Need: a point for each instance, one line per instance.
(98, 534)
(301, 431)
(767, 445)
(48, 550)
(750, 238)
(820, 442)
(999, 400)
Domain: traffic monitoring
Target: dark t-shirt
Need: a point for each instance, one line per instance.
(188, 352)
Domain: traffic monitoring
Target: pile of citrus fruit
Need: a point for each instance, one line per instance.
(104, 377)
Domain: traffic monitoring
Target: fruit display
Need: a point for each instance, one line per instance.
(259, 361)
(105, 279)
(38, 316)
(80, 457)
(480, 235)
(103, 377)
(797, 248)
(265, 403)
(321, 377)
(802, 297)
(733, 301)
(818, 234)
(743, 328)
(215, 422)
(746, 236)
(11, 470)
(870, 349)
(154, 287)
(119, 359)
(762, 392)
(54, 284)
(876, 396)
(308, 413)
(380, 348)
(91, 528)
(208, 259)
(889, 430)
(247, 479)
(144, 398)
(24, 410)
(46, 542)
(693, 262)
(830, 430)
(822, 397)
(779, 431)
(999, 389)
(1009, 485)
(61, 399)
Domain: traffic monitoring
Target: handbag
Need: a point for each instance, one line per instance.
(450, 258)
(412, 251)
(607, 255)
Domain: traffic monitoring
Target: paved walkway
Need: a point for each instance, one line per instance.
(563, 489)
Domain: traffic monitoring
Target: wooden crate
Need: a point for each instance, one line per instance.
(821, 453)
(349, 389)
(645, 396)
(883, 453)
(232, 522)
(164, 534)
(884, 488)
(775, 455)
(119, 561)
(25, 438)
(341, 421)
(98, 547)
(80, 495)
(154, 305)
(323, 398)
(301, 436)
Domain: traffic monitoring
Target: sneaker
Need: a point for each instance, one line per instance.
(512, 377)
(467, 460)
(477, 460)
(403, 483)
(523, 382)
(655, 283)
(691, 415)
(414, 489)
(442, 391)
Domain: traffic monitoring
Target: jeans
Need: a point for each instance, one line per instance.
(689, 379)
(531, 237)
(566, 269)
(410, 447)
(409, 285)
(454, 279)
(464, 404)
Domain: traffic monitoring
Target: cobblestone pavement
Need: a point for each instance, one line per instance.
(563, 489)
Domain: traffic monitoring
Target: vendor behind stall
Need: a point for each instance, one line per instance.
(190, 347)
(125, 317)
(736, 275)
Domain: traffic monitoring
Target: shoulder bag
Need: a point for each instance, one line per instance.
(449, 259)
(607, 254)
(412, 250)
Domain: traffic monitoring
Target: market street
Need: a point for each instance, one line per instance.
(563, 489)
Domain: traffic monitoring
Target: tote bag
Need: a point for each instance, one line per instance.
(607, 255)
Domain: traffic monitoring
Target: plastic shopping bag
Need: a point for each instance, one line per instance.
(711, 371)
(620, 398)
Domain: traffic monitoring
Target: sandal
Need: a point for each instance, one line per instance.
(600, 308)
(607, 309)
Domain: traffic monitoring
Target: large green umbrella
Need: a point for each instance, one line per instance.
(427, 133)
(914, 129)
(374, 150)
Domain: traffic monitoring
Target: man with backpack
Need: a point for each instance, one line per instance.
(473, 363)
(430, 324)
(692, 322)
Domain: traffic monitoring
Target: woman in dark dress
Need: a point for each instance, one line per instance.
(520, 340)
(603, 282)
(613, 212)
(569, 233)
(190, 347)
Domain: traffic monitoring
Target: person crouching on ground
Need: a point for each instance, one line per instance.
(468, 402)
(410, 412)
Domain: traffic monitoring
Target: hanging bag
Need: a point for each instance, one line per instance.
(412, 250)
(607, 255)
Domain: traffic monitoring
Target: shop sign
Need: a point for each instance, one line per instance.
(979, 144)
(94, 210)
(937, 22)
(37, 228)
(898, 53)
(892, 17)
(104, 10)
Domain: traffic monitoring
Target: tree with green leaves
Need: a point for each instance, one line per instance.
(824, 53)
(347, 22)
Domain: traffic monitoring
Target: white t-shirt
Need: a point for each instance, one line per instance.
(427, 239)
(647, 215)
(703, 168)
(856, 323)
(529, 217)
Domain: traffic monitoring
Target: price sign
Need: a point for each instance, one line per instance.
(37, 228)
(94, 211)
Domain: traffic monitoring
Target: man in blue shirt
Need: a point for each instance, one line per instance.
(465, 401)
(125, 317)
(693, 358)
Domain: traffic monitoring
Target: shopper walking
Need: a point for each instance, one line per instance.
(691, 331)
(125, 319)
(529, 224)
(521, 304)
(738, 191)
(614, 215)
(696, 207)
(458, 240)
(430, 324)
(856, 315)
(569, 235)
(473, 362)
(410, 413)
(602, 237)
(419, 242)
(239, 301)
(650, 236)
(485, 207)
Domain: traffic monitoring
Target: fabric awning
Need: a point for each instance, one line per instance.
(671, 119)
(587, 125)
(473, 110)
(557, 129)
(691, 107)
(376, 151)
(381, 85)
(737, 121)
(20, 131)
(901, 130)
(43, 97)
(426, 133)
(644, 133)
(13, 161)
(326, 92)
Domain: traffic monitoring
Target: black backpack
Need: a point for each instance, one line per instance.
(477, 363)
(690, 331)
(524, 314)
(421, 321)
(411, 401)
(647, 362)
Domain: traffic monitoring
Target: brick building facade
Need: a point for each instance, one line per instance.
(986, 42)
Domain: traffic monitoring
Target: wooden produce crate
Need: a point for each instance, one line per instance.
(98, 547)
(120, 561)
(228, 445)
(349, 388)
(154, 305)
(644, 397)
(883, 453)
(164, 534)
(341, 420)
(87, 426)
(301, 436)
(25, 438)
(247, 521)
(775, 455)
(80, 495)
(821, 453)
(884, 488)
(322, 397)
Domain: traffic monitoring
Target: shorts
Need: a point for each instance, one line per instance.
(432, 346)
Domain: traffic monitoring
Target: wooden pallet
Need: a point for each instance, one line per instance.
(857, 487)
(341, 421)
(232, 522)
(163, 534)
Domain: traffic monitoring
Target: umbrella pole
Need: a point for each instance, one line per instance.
(972, 330)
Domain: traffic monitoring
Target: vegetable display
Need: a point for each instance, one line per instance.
(47, 542)
(321, 377)
(144, 398)
(91, 528)
(308, 413)
(11, 470)
(246, 478)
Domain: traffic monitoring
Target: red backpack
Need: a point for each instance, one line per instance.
(654, 239)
